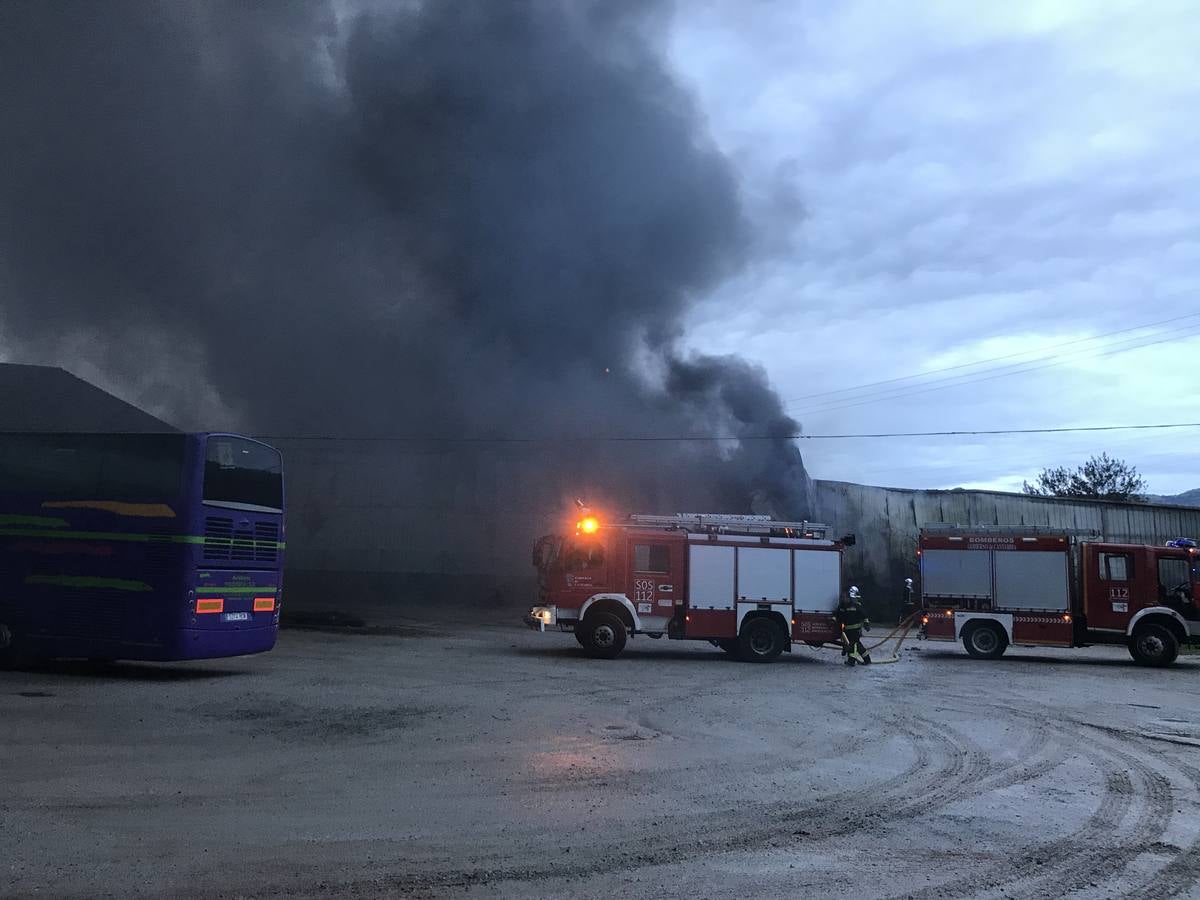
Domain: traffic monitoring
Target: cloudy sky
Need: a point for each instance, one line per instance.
(966, 216)
(946, 183)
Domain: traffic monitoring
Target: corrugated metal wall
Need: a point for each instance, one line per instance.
(886, 522)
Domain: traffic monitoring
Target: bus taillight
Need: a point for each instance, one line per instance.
(210, 605)
(264, 604)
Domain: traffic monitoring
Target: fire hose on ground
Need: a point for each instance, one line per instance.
(902, 628)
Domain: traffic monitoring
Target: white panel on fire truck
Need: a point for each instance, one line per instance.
(956, 573)
(818, 580)
(764, 574)
(710, 577)
(1029, 579)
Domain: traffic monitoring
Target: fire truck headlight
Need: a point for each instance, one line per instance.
(589, 525)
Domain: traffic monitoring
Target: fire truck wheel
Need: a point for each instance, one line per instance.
(761, 640)
(1153, 645)
(984, 640)
(603, 635)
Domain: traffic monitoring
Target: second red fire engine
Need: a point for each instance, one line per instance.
(995, 587)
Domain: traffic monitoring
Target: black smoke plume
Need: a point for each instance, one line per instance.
(435, 220)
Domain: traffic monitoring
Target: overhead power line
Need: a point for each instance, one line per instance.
(596, 439)
(981, 362)
(998, 372)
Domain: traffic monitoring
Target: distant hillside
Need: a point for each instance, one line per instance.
(1187, 498)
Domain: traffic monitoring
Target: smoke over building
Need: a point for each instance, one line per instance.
(473, 225)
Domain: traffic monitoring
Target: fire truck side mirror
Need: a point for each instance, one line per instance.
(849, 540)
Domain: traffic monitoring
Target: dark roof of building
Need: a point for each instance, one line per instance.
(45, 398)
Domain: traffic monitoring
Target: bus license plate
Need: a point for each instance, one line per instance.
(235, 617)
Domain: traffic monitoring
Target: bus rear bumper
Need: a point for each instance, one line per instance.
(196, 643)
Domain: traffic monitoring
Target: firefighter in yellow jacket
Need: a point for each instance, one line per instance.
(853, 619)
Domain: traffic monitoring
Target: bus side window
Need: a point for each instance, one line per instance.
(1116, 566)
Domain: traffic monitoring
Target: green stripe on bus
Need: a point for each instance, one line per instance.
(84, 581)
(238, 589)
(44, 521)
(133, 536)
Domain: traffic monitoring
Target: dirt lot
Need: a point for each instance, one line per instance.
(499, 762)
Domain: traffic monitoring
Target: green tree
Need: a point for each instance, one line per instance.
(1100, 477)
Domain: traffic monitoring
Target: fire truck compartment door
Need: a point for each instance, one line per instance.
(957, 573)
(764, 575)
(710, 577)
(818, 580)
(1031, 580)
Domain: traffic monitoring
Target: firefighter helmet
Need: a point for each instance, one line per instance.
(854, 593)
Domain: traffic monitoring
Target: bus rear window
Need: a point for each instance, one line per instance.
(242, 474)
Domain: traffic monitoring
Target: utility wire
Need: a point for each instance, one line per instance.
(954, 381)
(993, 359)
(712, 438)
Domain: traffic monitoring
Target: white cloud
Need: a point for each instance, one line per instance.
(977, 180)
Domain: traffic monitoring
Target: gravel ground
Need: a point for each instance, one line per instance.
(494, 761)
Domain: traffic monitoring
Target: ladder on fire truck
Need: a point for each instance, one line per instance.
(718, 523)
(948, 528)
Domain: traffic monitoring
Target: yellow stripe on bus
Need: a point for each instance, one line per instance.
(140, 510)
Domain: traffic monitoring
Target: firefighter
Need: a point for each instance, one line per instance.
(908, 606)
(853, 619)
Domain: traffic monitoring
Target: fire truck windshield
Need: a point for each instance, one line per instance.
(582, 554)
(546, 552)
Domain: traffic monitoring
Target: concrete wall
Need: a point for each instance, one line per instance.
(886, 522)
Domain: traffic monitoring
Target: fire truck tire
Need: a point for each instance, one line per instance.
(1153, 645)
(984, 640)
(604, 635)
(761, 640)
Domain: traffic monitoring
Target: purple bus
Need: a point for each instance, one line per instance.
(138, 546)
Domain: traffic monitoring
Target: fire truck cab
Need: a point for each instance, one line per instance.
(994, 587)
(747, 584)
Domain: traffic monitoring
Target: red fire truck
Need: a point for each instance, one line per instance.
(747, 584)
(992, 587)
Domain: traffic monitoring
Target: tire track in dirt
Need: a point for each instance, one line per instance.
(1110, 839)
(1183, 871)
(946, 768)
(1083, 861)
